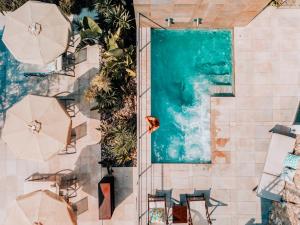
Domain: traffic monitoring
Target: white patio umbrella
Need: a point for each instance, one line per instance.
(36, 128)
(36, 33)
(40, 208)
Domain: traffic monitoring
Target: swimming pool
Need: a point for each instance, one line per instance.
(185, 64)
(13, 84)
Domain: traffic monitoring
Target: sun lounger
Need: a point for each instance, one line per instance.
(157, 210)
(66, 181)
(31, 70)
(70, 59)
(197, 210)
(62, 65)
(271, 186)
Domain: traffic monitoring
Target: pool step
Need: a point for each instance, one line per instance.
(225, 79)
(221, 90)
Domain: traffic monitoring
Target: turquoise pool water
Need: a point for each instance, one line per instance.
(184, 65)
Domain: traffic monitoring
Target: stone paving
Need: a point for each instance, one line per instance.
(267, 91)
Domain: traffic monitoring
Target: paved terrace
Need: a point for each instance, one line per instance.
(267, 91)
(85, 162)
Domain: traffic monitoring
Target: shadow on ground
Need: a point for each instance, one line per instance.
(266, 206)
(123, 183)
(80, 85)
(89, 173)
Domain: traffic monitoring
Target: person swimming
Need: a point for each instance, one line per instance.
(153, 124)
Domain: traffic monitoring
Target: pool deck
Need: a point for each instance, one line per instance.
(267, 91)
(267, 76)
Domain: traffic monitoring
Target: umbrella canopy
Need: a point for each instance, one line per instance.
(36, 128)
(36, 33)
(40, 208)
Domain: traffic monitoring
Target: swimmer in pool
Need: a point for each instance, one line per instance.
(153, 124)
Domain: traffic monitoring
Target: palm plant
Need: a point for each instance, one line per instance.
(106, 102)
(119, 18)
(67, 6)
(122, 141)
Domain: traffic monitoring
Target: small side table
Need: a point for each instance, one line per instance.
(179, 214)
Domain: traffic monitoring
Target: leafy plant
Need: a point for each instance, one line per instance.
(90, 32)
(116, 104)
(119, 17)
(10, 5)
(101, 83)
(67, 6)
(120, 139)
(106, 101)
(277, 3)
(123, 142)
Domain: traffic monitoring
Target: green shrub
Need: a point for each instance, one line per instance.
(119, 141)
(67, 6)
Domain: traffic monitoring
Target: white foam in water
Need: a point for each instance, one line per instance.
(194, 122)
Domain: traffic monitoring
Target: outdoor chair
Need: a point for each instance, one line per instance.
(66, 181)
(68, 185)
(271, 184)
(71, 147)
(157, 210)
(74, 38)
(31, 70)
(77, 132)
(197, 210)
(70, 59)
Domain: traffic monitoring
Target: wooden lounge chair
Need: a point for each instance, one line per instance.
(157, 210)
(197, 210)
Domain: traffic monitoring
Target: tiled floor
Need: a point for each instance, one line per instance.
(267, 91)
